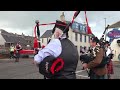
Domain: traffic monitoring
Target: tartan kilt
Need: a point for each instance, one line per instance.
(110, 68)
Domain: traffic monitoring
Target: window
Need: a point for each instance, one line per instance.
(89, 39)
(75, 26)
(42, 40)
(76, 36)
(7, 44)
(80, 48)
(85, 48)
(47, 40)
(88, 48)
(81, 27)
(84, 29)
(76, 46)
(85, 39)
(80, 37)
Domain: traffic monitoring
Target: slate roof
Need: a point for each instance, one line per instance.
(47, 34)
(115, 25)
(13, 38)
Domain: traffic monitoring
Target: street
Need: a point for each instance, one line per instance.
(25, 69)
(21, 70)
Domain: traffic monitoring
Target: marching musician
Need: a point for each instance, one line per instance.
(96, 73)
(110, 70)
(62, 49)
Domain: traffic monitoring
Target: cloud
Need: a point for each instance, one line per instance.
(5, 23)
(92, 25)
(19, 31)
(24, 21)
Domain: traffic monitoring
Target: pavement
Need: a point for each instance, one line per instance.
(25, 69)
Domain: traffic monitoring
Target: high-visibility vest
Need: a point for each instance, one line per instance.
(11, 48)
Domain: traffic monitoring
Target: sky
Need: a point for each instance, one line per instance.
(24, 21)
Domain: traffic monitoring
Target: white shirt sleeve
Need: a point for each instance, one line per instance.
(53, 48)
(108, 52)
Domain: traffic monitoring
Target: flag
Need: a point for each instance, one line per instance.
(110, 40)
(88, 28)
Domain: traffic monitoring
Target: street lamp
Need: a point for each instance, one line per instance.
(106, 30)
(105, 22)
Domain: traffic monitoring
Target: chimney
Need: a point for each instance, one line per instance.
(62, 17)
(22, 35)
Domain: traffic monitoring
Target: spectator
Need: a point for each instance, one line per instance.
(110, 70)
(12, 51)
(18, 48)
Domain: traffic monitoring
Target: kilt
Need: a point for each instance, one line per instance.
(110, 68)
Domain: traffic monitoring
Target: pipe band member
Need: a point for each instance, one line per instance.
(59, 59)
(95, 71)
(109, 53)
(18, 48)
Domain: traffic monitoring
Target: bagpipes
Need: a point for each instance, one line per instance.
(50, 66)
(86, 58)
(102, 39)
(37, 37)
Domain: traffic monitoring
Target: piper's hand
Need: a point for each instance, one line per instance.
(84, 65)
(36, 63)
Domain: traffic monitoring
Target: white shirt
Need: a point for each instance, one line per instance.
(109, 51)
(53, 48)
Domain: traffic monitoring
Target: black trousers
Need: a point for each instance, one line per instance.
(94, 76)
(11, 54)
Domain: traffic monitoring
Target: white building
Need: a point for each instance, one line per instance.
(116, 47)
(2, 40)
(79, 39)
(45, 37)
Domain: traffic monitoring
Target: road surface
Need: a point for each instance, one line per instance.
(25, 69)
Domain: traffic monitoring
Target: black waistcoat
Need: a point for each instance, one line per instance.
(70, 56)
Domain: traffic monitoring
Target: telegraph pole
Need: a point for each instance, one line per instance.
(106, 30)
(105, 22)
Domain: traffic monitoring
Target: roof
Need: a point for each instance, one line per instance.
(115, 25)
(13, 38)
(47, 34)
